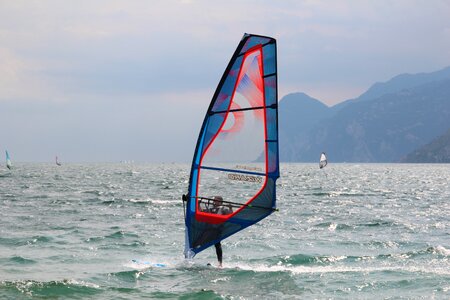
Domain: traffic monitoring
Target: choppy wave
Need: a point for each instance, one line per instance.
(19, 260)
(340, 269)
(52, 289)
(25, 240)
(401, 263)
(438, 252)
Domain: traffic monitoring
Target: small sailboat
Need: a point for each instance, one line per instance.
(233, 176)
(323, 160)
(57, 162)
(8, 161)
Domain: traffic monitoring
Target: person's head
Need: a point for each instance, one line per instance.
(218, 200)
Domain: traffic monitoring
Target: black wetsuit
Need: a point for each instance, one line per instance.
(219, 252)
(212, 232)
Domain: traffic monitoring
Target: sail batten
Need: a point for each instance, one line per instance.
(236, 156)
(243, 109)
(232, 170)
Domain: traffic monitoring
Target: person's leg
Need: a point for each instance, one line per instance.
(219, 253)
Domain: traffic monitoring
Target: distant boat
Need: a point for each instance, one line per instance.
(8, 161)
(323, 160)
(57, 162)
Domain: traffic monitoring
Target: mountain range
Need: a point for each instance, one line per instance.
(437, 151)
(386, 123)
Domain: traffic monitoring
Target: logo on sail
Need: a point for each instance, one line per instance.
(243, 177)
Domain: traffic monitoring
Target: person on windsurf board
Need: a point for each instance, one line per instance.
(219, 208)
(214, 205)
(243, 114)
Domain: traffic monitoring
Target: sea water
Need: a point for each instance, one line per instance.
(347, 231)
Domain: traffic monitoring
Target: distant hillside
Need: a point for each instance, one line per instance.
(438, 151)
(402, 82)
(382, 125)
(299, 114)
(396, 84)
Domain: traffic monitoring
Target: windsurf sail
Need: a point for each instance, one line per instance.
(323, 160)
(56, 160)
(236, 162)
(8, 160)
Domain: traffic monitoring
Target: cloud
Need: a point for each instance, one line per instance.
(20, 79)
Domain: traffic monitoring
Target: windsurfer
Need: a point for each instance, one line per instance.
(213, 231)
(219, 208)
(242, 115)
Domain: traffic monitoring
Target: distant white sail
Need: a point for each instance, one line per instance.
(323, 160)
(57, 162)
(8, 161)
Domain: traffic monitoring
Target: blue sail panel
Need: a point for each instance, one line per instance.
(236, 165)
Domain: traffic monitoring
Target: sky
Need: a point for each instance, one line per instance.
(100, 81)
